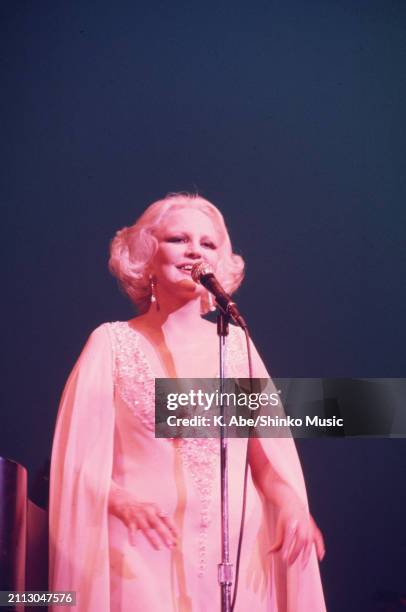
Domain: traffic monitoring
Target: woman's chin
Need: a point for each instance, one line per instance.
(189, 285)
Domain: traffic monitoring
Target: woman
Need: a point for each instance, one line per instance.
(135, 519)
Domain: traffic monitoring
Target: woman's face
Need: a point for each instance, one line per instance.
(185, 237)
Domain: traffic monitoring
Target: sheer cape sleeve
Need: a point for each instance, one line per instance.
(299, 589)
(80, 478)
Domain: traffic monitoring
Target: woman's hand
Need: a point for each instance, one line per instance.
(296, 530)
(156, 525)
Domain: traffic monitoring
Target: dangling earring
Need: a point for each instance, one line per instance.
(152, 284)
(212, 306)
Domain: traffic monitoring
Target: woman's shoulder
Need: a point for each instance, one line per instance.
(109, 334)
(104, 329)
(113, 330)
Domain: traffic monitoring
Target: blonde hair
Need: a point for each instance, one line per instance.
(132, 249)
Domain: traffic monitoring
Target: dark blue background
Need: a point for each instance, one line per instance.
(290, 117)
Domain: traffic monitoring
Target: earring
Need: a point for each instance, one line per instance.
(152, 284)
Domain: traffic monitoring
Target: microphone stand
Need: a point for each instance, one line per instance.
(225, 568)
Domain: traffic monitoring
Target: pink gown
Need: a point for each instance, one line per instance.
(104, 431)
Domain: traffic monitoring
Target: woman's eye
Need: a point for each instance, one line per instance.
(209, 245)
(175, 239)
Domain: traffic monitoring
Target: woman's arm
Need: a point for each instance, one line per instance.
(296, 530)
(277, 474)
(81, 471)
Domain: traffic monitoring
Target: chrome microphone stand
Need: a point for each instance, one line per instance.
(225, 568)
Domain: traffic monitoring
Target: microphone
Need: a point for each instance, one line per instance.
(203, 273)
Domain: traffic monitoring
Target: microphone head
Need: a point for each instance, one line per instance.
(200, 269)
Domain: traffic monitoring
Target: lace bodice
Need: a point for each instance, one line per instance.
(135, 384)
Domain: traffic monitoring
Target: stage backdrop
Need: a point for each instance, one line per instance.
(290, 117)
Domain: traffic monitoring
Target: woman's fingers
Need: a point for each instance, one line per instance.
(307, 552)
(279, 536)
(317, 538)
(319, 542)
(148, 532)
(169, 523)
(290, 544)
(160, 521)
(296, 537)
(285, 533)
(153, 538)
(157, 522)
(132, 528)
(155, 525)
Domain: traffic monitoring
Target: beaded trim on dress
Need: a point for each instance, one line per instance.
(135, 383)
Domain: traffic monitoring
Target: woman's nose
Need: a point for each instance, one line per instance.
(193, 250)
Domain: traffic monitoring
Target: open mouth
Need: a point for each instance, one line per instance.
(185, 268)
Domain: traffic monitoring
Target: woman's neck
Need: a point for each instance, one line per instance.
(174, 319)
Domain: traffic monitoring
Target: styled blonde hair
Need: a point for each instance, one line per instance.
(132, 249)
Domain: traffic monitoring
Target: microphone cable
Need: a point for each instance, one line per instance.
(244, 495)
